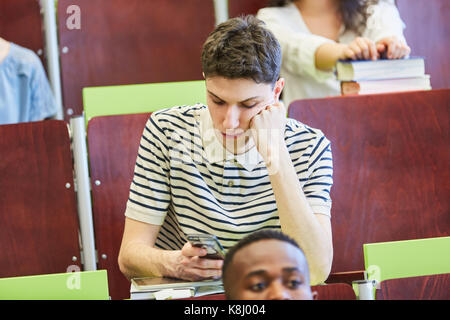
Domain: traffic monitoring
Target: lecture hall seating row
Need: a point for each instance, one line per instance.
(432, 287)
(93, 285)
(172, 52)
(355, 208)
(391, 181)
(104, 52)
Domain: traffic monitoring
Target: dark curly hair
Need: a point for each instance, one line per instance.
(242, 48)
(353, 12)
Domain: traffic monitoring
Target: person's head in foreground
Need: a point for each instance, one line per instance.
(266, 265)
(241, 62)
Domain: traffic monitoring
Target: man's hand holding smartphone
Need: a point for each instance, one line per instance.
(193, 265)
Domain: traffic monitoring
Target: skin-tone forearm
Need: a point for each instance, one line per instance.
(360, 48)
(311, 231)
(327, 54)
(139, 259)
(298, 220)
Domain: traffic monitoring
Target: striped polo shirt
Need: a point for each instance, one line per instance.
(187, 182)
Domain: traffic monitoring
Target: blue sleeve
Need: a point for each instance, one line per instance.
(43, 103)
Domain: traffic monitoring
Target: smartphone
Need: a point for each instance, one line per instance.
(208, 242)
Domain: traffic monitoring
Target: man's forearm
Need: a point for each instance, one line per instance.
(141, 260)
(298, 220)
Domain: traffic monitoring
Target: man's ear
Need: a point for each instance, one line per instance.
(279, 85)
(203, 75)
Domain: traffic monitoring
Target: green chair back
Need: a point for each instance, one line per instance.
(141, 98)
(408, 258)
(85, 285)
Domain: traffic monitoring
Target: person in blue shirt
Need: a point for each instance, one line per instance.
(25, 93)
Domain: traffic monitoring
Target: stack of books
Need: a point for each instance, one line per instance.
(162, 288)
(382, 76)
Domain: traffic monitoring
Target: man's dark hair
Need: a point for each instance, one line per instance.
(268, 234)
(242, 48)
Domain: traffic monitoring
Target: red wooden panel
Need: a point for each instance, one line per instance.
(428, 34)
(433, 287)
(21, 23)
(345, 277)
(391, 160)
(38, 213)
(113, 144)
(334, 291)
(240, 7)
(131, 41)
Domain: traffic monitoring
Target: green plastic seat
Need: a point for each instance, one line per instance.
(141, 98)
(85, 285)
(407, 258)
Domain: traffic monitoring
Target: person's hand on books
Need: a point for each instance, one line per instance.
(360, 49)
(329, 53)
(392, 48)
(190, 266)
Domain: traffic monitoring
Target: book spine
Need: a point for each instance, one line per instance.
(350, 88)
(380, 69)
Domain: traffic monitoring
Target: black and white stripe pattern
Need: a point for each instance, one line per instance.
(176, 186)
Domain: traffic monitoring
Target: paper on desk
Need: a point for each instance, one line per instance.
(167, 294)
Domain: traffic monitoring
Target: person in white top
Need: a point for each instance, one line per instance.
(314, 34)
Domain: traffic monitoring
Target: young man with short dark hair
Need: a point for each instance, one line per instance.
(230, 168)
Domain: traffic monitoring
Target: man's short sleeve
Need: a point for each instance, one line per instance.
(311, 156)
(320, 166)
(149, 197)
